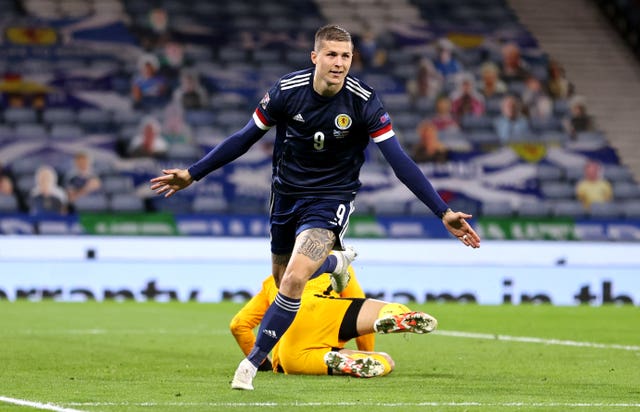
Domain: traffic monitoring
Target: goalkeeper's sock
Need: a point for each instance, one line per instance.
(328, 266)
(275, 323)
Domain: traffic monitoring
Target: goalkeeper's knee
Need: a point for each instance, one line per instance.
(393, 309)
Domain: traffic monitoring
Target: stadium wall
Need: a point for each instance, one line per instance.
(214, 269)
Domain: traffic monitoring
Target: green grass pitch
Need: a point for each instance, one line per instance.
(180, 357)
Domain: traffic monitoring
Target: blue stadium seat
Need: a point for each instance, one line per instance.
(200, 117)
(615, 172)
(534, 209)
(497, 208)
(31, 131)
(209, 204)
(59, 115)
(8, 203)
(113, 184)
(623, 190)
(16, 115)
(95, 120)
(567, 208)
(95, 202)
(66, 131)
(545, 172)
(631, 209)
(557, 190)
(126, 202)
(607, 210)
(390, 208)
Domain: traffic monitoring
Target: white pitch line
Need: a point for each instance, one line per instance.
(37, 405)
(383, 404)
(528, 339)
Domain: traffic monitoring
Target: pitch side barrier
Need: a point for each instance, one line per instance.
(93, 268)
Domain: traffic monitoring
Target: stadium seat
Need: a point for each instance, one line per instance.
(608, 210)
(31, 131)
(95, 202)
(16, 115)
(390, 208)
(477, 123)
(631, 209)
(6, 132)
(497, 208)
(557, 189)
(126, 202)
(184, 152)
(209, 204)
(179, 204)
(615, 172)
(58, 115)
(8, 203)
(200, 117)
(113, 184)
(95, 120)
(567, 208)
(66, 131)
(545, 172)
(626, 190)
(534, 209)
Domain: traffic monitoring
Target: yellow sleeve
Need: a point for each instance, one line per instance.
(354, 290)
(250, 316)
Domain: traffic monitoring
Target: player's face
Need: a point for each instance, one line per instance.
(332, 61)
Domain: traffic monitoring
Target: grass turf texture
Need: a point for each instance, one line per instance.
(180, 357)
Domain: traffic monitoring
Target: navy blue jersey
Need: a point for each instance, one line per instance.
(320, 141)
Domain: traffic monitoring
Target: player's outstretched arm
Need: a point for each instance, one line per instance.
(456, 223)
(171, 181)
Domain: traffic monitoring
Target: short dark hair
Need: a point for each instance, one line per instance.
(331, 32)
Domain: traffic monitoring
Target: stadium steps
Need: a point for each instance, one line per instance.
(600, 65)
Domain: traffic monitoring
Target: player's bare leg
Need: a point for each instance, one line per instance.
(384, 317)
(311, 248)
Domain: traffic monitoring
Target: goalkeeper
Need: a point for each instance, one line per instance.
(315, 342)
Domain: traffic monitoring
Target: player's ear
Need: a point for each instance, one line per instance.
(314, 56)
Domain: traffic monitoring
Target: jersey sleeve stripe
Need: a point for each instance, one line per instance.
(383, 134)
(260, 120)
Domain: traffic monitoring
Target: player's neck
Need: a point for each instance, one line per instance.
(326, 89)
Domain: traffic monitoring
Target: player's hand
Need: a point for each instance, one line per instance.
(457, 225)
(171, 181)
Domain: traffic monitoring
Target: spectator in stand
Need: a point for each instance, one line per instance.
(149, 142)
(172, 60)
(512, 124)
(175, 129)
(578, 119)
(532, 95)
(443, 120)
(593, 187)
(6, 181)
(465, 99)
(428, 81)
(429, 148)
(47, 197)
(445, 61)
(156, 31)
(81, 180)
(190, 94)
(371, 49)
(558, 86)
(490, 83)
(514, 68)
(148, 88)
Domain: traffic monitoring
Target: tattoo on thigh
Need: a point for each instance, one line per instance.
(316, 243)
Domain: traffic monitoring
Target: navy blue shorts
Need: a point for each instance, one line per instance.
(290, 216)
